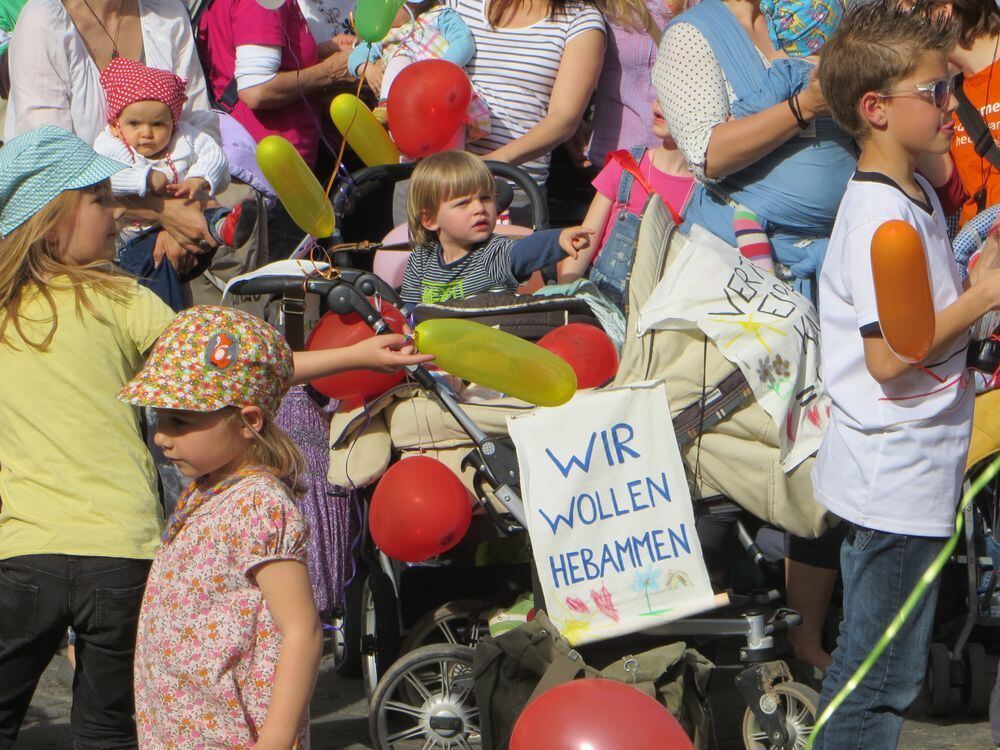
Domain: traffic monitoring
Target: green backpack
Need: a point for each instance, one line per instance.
(520, 664)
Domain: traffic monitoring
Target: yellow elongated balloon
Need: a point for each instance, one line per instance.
(497, 360)
(363, 132)
(297, 187)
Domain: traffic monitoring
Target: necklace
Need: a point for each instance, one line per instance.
(114, 39)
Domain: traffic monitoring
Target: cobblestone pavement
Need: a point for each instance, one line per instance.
(339, 719)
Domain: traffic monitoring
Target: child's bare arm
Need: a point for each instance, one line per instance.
(950, 323)
(286, 589)
(380, 353)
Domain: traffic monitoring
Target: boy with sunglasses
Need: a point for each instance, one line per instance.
(892, 461)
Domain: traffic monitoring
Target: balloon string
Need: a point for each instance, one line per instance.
(932, 572)
(343, 139)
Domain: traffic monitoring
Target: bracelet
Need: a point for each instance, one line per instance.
(793, 104)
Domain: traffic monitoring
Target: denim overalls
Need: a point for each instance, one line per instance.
(796, 188)
(610, 271)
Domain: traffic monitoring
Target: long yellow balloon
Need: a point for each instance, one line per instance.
(297, 187)
(497, 360)
(363, 132)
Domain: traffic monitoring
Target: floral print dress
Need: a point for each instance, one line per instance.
(207, 645)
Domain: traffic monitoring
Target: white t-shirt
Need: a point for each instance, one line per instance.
(514, 70)
(894, 455)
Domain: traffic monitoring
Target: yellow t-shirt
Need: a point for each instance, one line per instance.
(76, 477)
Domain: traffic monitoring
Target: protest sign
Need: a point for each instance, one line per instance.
(609, 513)
(759, 324)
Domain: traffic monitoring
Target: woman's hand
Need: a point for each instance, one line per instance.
(167, 247)
(811, 100)
(185, 222)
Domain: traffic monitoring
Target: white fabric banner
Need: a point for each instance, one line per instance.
(759, 324)
(609, 513)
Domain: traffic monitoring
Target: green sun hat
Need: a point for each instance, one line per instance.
(35, 167)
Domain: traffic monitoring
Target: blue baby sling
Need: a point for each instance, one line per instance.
(796, 188)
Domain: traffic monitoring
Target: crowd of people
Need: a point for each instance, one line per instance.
(791, 130)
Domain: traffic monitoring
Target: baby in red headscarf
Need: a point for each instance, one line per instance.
(168, 156)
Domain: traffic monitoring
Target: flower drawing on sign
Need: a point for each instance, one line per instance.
(677, 579)
(577, 605)
(645, 581)
(602, 599)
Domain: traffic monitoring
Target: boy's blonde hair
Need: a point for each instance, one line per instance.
(28, 261)
(876, 45)
(439, 178)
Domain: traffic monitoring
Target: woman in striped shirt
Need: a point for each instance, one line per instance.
(536, 66)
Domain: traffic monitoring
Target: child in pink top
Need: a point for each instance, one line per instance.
(623, 187)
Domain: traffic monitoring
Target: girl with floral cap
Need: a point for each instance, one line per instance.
(80, 519)
(229, 638)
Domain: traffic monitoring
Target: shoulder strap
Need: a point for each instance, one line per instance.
(736, 54)
(630, 165)
(976, 127)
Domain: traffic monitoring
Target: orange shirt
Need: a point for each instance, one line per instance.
(983, 90)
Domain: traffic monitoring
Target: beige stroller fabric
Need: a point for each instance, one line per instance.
(737, 456)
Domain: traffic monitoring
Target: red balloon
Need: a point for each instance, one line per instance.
(427, 105)
(419, 509)
(588, 349)
(334, 331)
(597, 714)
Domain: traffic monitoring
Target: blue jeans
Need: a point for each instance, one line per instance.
(879, 570)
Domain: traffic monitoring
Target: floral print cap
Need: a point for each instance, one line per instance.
(210, 358)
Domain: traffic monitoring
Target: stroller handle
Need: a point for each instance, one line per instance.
(366, 181)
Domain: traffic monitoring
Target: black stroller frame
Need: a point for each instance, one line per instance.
(765, 682)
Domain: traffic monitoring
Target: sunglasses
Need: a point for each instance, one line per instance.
(940, 91)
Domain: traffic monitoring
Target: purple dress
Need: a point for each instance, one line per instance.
(624, 100)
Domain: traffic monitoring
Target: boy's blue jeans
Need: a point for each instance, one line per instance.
(879, 570)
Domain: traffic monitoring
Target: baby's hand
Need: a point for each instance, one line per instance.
(156, 182)
(189, 188)
(574, 240)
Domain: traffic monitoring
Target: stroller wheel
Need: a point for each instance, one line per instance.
(379, 628)
(938, 682)
(427, 699)
(976, 688)
(799, 704)
(462, 622)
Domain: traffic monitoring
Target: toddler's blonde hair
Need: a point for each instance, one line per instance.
(439, 178)
(28, 263)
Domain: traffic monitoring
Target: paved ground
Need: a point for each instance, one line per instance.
(340, 713)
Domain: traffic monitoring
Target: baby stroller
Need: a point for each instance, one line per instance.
(969, 601)
(427, 696)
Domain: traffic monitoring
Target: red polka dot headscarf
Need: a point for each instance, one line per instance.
(128, 81)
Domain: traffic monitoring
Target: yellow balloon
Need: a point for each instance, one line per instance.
(297, 187)
(363, 132)
(497, 360)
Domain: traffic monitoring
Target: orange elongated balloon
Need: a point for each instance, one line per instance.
(497, 360)
(297, 187)
(903, 290)
(363, 132)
